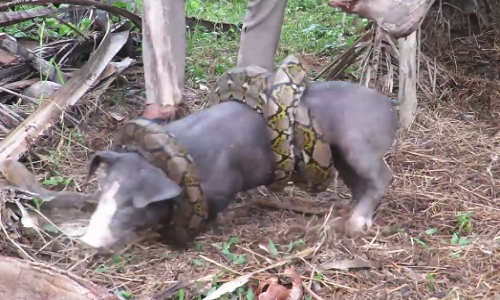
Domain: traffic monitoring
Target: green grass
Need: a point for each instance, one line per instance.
(310, 26)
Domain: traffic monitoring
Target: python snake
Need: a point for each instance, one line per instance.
(301, 153)
(163, 150)
(291, 126)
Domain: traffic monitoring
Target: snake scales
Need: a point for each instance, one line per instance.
(301, 153)
(163, 150)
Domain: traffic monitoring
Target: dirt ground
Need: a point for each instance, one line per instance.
(436, 233)
(437, 229)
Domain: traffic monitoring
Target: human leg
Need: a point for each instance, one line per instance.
(174, 28)
(261, 33)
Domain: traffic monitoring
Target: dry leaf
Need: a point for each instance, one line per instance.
(27, 220)
(228, 287)
(115, 68)
(413, 275)
(7, 58)
(263, 284)
(204, 289)
(345, 264)
(42, 88)
(116, 116)
(271, 289)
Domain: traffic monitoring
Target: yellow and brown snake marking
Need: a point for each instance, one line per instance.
(301, 154)
(163, 150)
(276, 97)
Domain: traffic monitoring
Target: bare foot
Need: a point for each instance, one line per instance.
(168, 113)
(155, 111)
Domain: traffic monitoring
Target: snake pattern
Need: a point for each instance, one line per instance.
(276, 97)
(301, 153)
(163, 150)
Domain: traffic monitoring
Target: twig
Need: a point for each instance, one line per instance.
(102, 6)
(32, 100)
(23, 252)
(310, 291)
(256, 254)
(221, 265)
(346, 53)
(12, 115)
(10, 45)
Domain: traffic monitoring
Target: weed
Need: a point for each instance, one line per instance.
(238, 259)
(310, 26)
(124, 294)
(464, 222)
(430, 279)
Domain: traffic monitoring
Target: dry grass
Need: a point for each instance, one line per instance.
(446, 166)
(438, 228)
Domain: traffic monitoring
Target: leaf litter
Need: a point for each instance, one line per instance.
(445, 169)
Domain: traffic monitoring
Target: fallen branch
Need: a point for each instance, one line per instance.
(20, 84)
(293, 204)
(9, 44)
(18, 141)
(13, 17)
(21, 178)
(88, 3)
(219, 26)
(9, 117)
(14, 72)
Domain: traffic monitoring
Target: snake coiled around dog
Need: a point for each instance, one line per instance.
(163, 150)
(302, 155)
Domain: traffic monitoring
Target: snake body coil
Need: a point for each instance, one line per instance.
(163, 150)
(302, 155)
(296, 138)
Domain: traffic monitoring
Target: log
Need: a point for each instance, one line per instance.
(20, 280)
(407, 79)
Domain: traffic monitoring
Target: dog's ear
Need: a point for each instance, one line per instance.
(155, 187)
